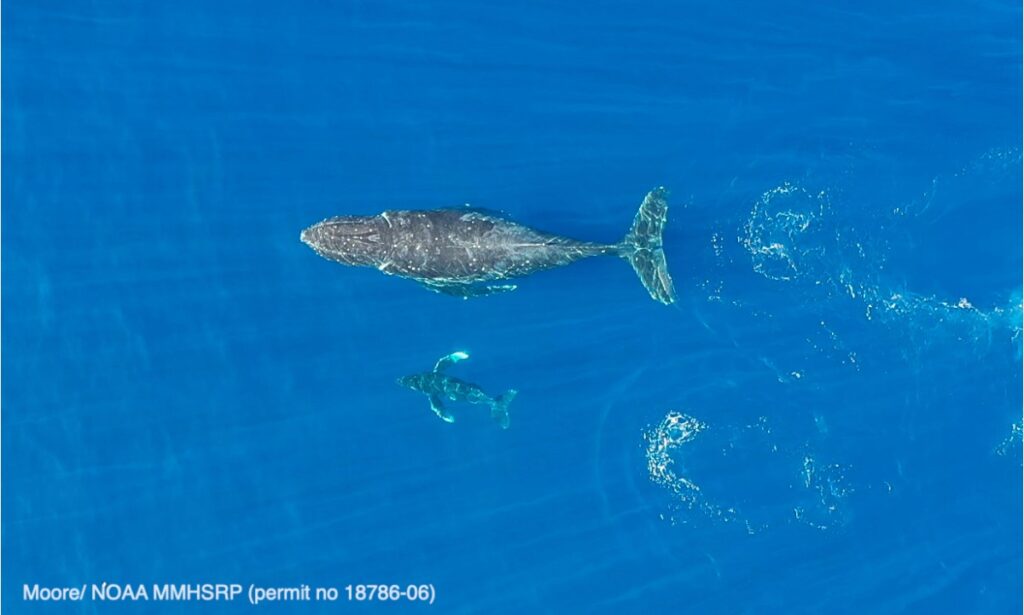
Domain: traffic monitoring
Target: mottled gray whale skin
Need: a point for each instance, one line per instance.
(462, 251)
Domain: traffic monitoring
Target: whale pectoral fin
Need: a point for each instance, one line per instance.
(468, 290)
(441, 288)
(443, 363)
(483, 291)
(438, 407)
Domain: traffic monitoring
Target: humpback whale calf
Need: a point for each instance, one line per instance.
(439, 386)
(462, 251)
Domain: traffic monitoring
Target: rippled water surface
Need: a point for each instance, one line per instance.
(828, 419)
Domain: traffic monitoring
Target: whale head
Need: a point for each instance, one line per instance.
(351, 240)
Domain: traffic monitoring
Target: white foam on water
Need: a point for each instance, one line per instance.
(663, 444)
(812, 493)
(792, 236)
(775, 234)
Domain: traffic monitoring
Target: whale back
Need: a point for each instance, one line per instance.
(468, 245)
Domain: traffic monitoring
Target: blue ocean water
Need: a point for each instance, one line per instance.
(828, 420)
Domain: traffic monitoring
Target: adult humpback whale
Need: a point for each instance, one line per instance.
(459, 251)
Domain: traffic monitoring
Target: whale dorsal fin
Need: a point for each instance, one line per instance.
(445, 361)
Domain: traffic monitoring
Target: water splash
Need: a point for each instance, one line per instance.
(830, 487)
(663, 443)
(808, 492)
(792, 235)
(775, 235)
(1013, 443)
(944, 319)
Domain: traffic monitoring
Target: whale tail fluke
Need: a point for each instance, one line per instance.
(642, 247)
(499, 409)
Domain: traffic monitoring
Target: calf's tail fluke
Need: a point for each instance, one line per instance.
(642, 247)
(499, 409)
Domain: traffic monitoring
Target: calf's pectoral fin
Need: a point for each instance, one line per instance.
(438, 407)
(466, 291)
(444, 362)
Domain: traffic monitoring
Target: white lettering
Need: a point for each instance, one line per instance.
(51, 593)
